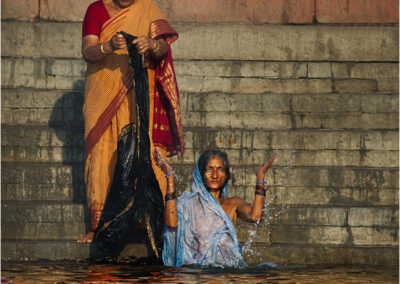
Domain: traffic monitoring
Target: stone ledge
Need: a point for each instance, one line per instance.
(227, 42)
(281, 254)
(357, 11)
(243, 175)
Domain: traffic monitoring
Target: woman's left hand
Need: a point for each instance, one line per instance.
(143, 44)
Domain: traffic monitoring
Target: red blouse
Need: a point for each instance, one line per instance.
(96, 15)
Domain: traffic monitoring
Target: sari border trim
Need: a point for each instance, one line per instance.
(105, 118)
(112, 20)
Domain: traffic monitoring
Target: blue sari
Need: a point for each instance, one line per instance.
(205, 234)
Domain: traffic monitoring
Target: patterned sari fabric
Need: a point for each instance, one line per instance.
(205, 235)
(110, 101)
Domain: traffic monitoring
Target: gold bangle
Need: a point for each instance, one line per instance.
(157, 46)
(101, 49)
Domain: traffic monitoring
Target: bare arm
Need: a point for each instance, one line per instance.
(254, 213)
(170, 210)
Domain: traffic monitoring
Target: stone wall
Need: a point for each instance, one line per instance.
(314, 80)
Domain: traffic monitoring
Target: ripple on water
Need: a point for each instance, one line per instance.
(84, 271)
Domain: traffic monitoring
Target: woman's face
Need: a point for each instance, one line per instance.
(124, 3)
(215, 174)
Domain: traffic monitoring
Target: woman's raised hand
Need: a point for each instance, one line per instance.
(160, 162)
(261, 170)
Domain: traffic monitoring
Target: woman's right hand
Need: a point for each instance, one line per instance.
(160, 162)
(117, 41)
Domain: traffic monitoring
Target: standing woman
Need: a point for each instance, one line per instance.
(110, 93)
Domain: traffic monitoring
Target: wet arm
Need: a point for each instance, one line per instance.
(170, 209)
(254, 213)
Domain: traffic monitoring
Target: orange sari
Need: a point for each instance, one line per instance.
(110, 101)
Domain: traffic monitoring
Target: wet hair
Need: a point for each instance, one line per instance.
(206, 156)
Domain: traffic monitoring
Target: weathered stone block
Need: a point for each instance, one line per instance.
(255, 12)
(357, 11)
(43, 231)
(313, 216)
(249, 232)
(355, 86)
(21, 10)
(326, 103)
(43, 154)
(43, 192)
(42, 174)
(365, 70)
(55, 10)
(332, 255)
(335, 177)
(365, 121)
(309, 235)
(332, 196)
(287, 43)
(380, 103)
(319, 70)
(373, 217)
(241, 69)
(25, 73)
(388, 85)
(35, 250)
(375, 236)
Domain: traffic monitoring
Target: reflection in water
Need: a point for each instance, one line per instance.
(82, 271)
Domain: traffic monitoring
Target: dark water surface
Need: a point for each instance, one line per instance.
(82, 271)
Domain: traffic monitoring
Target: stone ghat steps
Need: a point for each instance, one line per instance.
(273, 234)
(210, 75)
(41, 213)
(266, 111)
(239, 138)
(19, 175)
(224, 41)
(277, 253)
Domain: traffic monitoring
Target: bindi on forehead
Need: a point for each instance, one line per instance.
(215, 161)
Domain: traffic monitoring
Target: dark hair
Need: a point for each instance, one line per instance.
(206, 156)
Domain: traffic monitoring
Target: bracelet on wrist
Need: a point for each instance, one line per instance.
(102, 49)
(167, 174)
(260, 191)
(261, 182)
(170, 196)
(157, 46)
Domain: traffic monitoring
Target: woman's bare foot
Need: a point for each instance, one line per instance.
(88, 238)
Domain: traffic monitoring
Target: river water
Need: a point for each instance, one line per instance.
(86, 272)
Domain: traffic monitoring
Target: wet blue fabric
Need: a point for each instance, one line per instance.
(205, 234)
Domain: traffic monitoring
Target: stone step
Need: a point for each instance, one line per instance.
(274, 234)
(276, 253)
(330, 235)
(33, 250)
(292, 157)
(43, 192)
(211, 75)
(43, 212)
(237, 139)
(58, 212)
(265, 111)
(222, 41)
(279, 195)
(280, 175)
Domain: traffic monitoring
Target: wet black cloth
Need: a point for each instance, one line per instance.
(134, 194)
